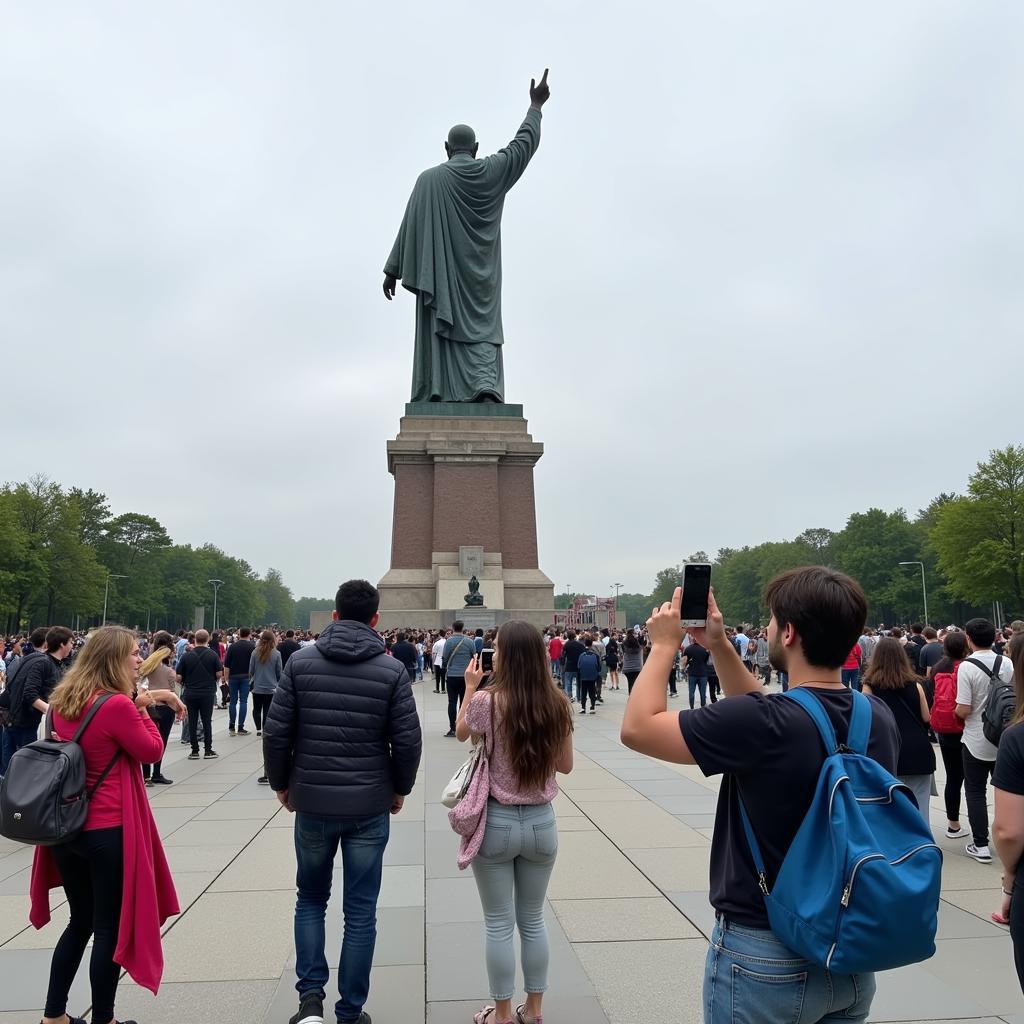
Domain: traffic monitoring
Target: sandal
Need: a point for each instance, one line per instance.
(998, 918)
(484, 1016)
(522, 1019)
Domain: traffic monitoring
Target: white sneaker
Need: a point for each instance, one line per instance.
(958, 834)
(979, 853)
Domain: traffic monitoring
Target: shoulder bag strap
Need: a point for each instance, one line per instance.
(96, 705)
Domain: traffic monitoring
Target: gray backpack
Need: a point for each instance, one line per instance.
(43, 797)
(1000, 703)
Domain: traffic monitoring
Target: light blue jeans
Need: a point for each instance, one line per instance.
(752, 978)
(512, 872)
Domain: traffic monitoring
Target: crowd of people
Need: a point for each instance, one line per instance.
(337, 717)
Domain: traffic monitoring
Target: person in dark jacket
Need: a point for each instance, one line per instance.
(342, 744)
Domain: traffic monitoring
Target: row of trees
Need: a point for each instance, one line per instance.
(64, 555)
(971, 545)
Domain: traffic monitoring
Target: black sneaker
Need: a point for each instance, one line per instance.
(450, 732)
(363, 1018)
(243, 732)
(311, 1009)
(259, 732)
(231, 730)
(211, 753)
(194, 756)
(162, 780)
(263, 780)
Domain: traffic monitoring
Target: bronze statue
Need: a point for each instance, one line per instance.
(474, 599)
(448, 254)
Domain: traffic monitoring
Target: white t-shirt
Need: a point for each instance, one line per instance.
(972, 687)
(742, 640)
(437, 651)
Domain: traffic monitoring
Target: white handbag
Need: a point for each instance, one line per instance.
(459, 782)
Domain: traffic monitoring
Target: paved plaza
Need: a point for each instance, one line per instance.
(628, 910)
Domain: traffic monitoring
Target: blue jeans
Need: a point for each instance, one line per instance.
(14, 738)
(512, 872)
(238, 687)
(362, 842)
(851, 678)
(568, 678)
(752, 978)
(556, 668)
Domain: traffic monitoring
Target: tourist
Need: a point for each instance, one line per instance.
(914, 645)
(236, 675)
(555, 648)
(421, 650)
(931, 654)
(695, 663)
(405, 652)
(156, 675)
(31, 684)
(342, 745)
(632, 658)
(526, 726)
(892, 680)
(114, 872)
(588, 671)
(218, 648)
(288, 646)
(948, 727)
(761, 660)
(611, 659)
(571, 651)
(437, 663)
(973, 680)
(459, 650)
(771, 754)
(198, 673)
(1008, 824)
(851, 668)
(265, 668)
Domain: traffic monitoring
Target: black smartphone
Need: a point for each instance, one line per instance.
(696, 586)
(487, 659)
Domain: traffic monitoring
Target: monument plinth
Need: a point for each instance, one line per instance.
(464, 507)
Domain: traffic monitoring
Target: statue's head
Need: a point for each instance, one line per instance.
(461, 139)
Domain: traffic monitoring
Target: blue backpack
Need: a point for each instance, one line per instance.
(858, 889)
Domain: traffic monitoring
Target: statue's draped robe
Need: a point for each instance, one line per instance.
(448, 254)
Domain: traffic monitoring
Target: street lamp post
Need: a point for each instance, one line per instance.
(106, 591)
(217, 584)
(615, 607)
(924, 589)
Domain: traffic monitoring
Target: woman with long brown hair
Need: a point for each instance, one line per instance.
(114, 872)
(526, 723)
(265, 669)
(892, 680)
(1008, 826)
(156, 675)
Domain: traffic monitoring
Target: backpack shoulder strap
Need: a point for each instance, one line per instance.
(859, 732)
(813, 707)
(96, 705)
(990, 672)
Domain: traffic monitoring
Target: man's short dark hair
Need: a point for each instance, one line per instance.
(828, 610)
(57, 637)
(289, 634)
(917, 628)
(401, 638)
(929, 633)
(980, 632)
(37, 638)
(457, 626)
(244, 632)
(479, 632)
(357, 600)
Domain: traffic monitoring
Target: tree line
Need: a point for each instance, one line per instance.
(63, 554)
(62, 551)
(971, 545)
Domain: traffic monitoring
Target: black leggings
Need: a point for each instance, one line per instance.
(260, 709)
(951, 749)
(439, 678)
(164, 718)
(631, 678)
(200, 707)
(92, 870)
(456, 691)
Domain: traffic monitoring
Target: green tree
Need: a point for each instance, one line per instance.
(979, 538)
(277, 598)
(305, 605)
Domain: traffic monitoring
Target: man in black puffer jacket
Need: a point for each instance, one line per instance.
(342, 745)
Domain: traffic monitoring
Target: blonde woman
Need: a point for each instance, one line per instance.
(114, 872)
(157, 676)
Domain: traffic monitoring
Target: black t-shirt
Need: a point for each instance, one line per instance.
(571, 653)
(1009, 772)
(198, 669)
(913, 648)
(917, 757)
(287, 649)
(236, 661)
(768, 749)
(405, 652)
(696, 661)
(930, 655)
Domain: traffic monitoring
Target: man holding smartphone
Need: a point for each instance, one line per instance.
(769, 753)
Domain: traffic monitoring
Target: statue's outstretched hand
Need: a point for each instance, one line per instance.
(539, 94)
(389, 286)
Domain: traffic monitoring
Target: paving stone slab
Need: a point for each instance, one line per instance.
(656, 982)
(675, 870)
(614, 794)
(956, 922)
(912, 993)
(266, 863)
(453, 900)
(557, 1007)
(613, 920)
(697, 910)
(405, 845)
(983, 970)
(196, 1001)
(589, 865)
(642, 825)
(25, 973)
(238, 810)
(441, 854)
(200, 858)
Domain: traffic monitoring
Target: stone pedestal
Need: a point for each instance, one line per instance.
(464, 506)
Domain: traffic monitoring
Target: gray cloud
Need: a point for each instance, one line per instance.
(765, 254)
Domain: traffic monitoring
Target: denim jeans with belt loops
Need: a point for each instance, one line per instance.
(752, 978)
(512, 872)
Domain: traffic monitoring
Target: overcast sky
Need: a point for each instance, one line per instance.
(764, 271)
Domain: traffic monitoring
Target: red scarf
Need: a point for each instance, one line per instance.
(147, 896)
